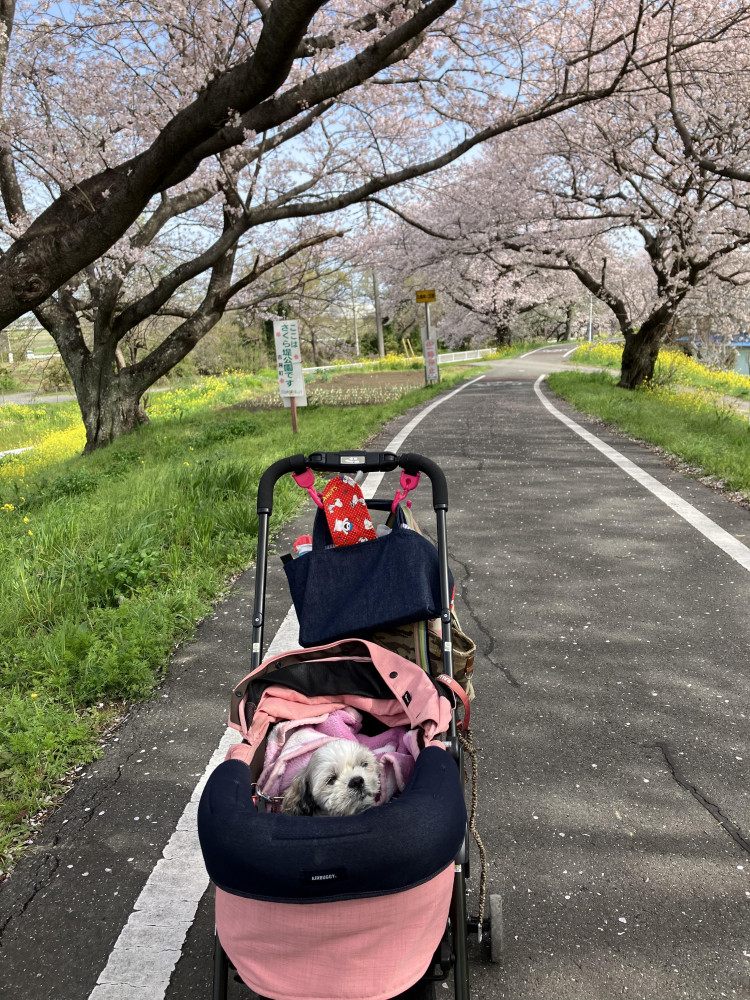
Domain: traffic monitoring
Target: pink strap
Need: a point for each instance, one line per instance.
(459, 692)
(408, 483)
(306, 480)
(241, 751)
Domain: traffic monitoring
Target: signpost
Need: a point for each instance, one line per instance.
(431, 369)
(289, 364)
(429, 345)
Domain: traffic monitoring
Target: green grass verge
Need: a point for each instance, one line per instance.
(695, 427)
(108, 561)
(672, 368)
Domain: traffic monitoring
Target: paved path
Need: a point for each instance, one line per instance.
(611, 714)
(24, 398)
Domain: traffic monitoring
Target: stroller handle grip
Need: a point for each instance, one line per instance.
(352, 461)
(412, 463)
(294, 464)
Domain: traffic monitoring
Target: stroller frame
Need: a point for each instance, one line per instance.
(453, 951)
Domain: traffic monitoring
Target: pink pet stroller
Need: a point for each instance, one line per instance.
(364, 907)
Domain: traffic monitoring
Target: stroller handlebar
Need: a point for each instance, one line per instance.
(352, 461)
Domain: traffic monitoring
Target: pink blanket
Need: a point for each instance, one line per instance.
(291, 744)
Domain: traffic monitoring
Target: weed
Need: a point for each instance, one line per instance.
(228, 430)
(74, 483)
(113, 576)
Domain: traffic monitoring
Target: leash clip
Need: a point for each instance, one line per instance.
(408, 483)
(306, 480)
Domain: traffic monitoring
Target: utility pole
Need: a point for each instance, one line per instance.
(354, 317)
(376, 295)
(378, 316)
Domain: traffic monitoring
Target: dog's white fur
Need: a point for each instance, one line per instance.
(340, 779)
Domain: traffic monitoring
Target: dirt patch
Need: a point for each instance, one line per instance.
(346, 389)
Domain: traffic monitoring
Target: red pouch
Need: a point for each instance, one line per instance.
(346, 512)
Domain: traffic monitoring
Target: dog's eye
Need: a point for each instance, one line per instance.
(363, 764)
(331, 780)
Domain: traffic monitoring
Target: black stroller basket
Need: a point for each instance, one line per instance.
(352, 462)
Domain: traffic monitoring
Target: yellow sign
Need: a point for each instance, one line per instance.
(428, 296)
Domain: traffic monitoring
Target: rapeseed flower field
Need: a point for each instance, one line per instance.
(672, 367)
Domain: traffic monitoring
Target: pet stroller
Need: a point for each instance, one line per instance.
(363, 907)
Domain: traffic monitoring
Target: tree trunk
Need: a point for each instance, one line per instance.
(639, 357)
(569, 314)
(110, 406)
(502, 334)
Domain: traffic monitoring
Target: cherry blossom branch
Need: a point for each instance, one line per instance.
(323, 86)
(240, 222)
(408, 219)
(89, 217)
(181, 341)
(10, 189)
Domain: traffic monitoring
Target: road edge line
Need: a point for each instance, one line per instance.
(721, 538)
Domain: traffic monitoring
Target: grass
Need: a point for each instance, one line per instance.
(108, 561)
(696, 427)
(672, 367)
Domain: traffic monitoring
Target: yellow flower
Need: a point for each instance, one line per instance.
(31, 532)
(186, 463)
(26, 520)
(34, 694)
(7, 506)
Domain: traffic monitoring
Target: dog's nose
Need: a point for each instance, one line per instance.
(357, 782)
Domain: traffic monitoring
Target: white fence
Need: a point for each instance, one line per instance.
(443, 359)
(446, 359)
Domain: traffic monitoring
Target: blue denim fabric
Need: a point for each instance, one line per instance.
(355, 589)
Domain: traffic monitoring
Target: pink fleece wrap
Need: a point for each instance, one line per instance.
(291, 744)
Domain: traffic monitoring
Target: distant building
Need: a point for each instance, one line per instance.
(741, 343)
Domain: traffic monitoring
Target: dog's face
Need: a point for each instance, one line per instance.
(341, 779)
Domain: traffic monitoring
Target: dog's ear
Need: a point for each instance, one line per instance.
(298, 799)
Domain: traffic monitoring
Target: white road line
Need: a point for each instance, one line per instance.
(145, 954)
(374, 479)
(16, 451)
(732, 546)
(550, 348)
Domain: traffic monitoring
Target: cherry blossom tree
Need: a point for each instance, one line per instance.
(481, 288)
(160, 157)
(625, 201)
(142, 142)
(607, 195)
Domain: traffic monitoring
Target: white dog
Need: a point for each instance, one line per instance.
(341, 779)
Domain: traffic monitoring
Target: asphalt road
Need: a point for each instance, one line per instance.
(611, 717)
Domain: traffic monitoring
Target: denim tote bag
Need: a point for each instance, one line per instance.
(352, 590)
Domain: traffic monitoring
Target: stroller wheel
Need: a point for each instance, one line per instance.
(496, 935)
(419, 991)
